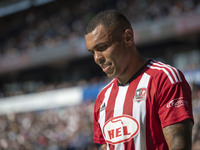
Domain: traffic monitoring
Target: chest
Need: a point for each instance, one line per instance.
(129, 100)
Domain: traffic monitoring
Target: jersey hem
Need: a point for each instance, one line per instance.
(99, 141)
(176, 120)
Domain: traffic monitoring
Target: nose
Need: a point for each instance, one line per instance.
(98, 57)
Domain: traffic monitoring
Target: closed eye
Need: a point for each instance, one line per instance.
(100, 47)
(92, 52)
(103, 47)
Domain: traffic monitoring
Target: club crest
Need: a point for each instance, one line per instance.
(140, 94)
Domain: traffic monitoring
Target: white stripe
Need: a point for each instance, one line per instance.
(107, 85)
(107, 147)
(178, 74)
(175, 71)
(179, 77)
(119, 103)
(163, 69)
(168, 67)
(102, 117)
(118, 109)
(103, 113)
(139, 113)
(172, 70)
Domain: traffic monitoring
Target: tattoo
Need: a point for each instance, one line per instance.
(179, 136)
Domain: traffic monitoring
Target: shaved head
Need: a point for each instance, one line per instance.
(114, 23)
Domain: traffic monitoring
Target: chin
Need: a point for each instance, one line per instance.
(110, 75)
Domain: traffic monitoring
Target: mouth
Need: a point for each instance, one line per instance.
(105, 67)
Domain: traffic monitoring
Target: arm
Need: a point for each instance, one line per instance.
(103, 147)
(179, 136)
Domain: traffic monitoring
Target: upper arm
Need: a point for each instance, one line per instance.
(179, 136)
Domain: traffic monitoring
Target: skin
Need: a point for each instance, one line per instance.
(103, 147)
(179, 135)
(120, 59)
(109, 54)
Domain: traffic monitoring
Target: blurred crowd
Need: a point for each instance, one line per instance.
(68, 128)
(31, 86)
(66, 21)
(196, 112)
(48, 25)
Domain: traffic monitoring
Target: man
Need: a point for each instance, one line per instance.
(147, 106)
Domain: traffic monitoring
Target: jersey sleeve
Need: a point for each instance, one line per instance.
(175, 103)
(98, 135)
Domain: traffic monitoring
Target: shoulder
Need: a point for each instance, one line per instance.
(106, 88)
(165, 77)
(164, 73)
(101, 95)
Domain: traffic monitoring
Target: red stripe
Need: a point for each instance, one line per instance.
(128, 108)
(111, 105)
(111, 102)
(129, 145)
(102, 98)
(97, 107)
(111, 147)
(129, 99)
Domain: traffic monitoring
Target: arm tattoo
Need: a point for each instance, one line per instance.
(178, 136)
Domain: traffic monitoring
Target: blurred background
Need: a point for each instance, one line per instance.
(49, 81)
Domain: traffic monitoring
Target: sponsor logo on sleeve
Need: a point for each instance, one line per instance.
(120, 129)
(177, 102)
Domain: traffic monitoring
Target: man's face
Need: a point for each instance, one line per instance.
(109, 54)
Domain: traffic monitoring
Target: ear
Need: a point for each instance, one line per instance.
(128, 37)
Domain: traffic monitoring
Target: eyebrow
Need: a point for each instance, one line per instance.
(99, 45)
(96, 46)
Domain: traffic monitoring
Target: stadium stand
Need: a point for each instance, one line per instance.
(48, 81)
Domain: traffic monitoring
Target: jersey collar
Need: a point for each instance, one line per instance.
(136, 74)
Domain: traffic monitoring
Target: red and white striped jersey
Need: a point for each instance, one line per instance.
(131, 117)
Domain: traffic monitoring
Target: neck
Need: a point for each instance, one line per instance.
(131, 69)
